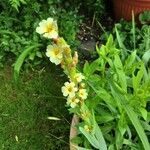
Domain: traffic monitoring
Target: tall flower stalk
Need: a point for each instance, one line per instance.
(60, 53)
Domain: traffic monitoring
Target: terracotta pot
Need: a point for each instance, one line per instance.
(73, 131)
(123, 8)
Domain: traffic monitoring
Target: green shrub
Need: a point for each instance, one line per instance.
(18, 21)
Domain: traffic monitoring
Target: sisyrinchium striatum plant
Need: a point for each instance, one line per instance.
(110, 96)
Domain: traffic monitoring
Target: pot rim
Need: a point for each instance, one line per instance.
(73, 131)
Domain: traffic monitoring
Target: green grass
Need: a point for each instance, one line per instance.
(24, 111)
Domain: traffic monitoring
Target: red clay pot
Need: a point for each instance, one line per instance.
(123, 8)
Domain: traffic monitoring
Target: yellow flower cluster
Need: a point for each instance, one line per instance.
(76, 94)
(60, 53)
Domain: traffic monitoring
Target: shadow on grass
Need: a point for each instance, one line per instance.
(24, 111)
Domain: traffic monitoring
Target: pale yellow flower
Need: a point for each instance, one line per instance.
(69, 89)
(72, 102)
(79, 77)
(83, 93)
(48, 28)
(54, 53)
(87, 128)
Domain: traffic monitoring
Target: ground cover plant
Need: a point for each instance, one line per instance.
(19, 19)
(110, 98)
(24, 111)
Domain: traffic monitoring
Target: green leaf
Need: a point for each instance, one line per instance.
(99, 136)
(105, 118)
(128, 142)
(90, 138)
(145, 125)
(118, 139)
(110, 42)
(130, 60)
(103, 94)
(86, 68)
(21, 59)
(32, 56)
(122, 46)
(136, 80)
(146, 57)
(89, 69)
(39, 54)
(95, 137)
(120, 72)
(143, 112)
(122, 124)
(111, 147)
(138, 127)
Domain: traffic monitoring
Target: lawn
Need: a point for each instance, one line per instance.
(24, 111)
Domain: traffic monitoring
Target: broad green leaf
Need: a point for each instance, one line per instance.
(122, 124)
(145, 125)
(138, 127)
(94, 142)
(103, 94)
(39, 54)
(104, 118)
(101, 51)
(32, 56)
(146, 57)
(120, 72)
(107, 128)
(129, 61)
(95, 137)
(21, 59)
(89, 69)
(136, 80)
(118, 139)
(94, 66)
(86, 68)
(100, 138)
(119, 88)
(110, 42)
(128, 142)
(111, 147)
(143, 112)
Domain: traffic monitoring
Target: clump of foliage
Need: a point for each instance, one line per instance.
(121, 88)
(17, 3)
(141, 39)
(130, 36)
(19, 19)
(110, 96)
